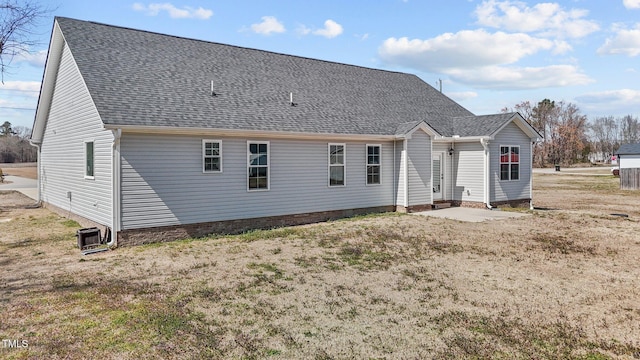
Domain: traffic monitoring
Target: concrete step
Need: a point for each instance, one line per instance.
(441, 205)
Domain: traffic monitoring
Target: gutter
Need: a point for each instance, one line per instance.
(487, 187)
(248, 133)
(115, 188)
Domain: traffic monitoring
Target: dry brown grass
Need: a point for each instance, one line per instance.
(30, 172)
(562, 283)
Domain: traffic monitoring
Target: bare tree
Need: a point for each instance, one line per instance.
(543, 118)
(604, 136)
(17, 20)
(6, 129)
(629, 129)
(562, 127)
(571, 127)
(14, 144)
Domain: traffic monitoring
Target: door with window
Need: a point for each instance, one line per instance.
(438, 175)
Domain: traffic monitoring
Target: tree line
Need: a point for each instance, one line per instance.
(14, 144)
(568, 137)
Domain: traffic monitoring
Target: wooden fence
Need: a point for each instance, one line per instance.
(630, 179)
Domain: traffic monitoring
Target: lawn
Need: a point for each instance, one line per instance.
(563, 282)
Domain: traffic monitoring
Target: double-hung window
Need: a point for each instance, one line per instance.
(258, 165)
(337, 156)
(373, 164)
(211, 156)
(509, 163)
(89, 158)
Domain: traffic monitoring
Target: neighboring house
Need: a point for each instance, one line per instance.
(159, 137)
(629, 160)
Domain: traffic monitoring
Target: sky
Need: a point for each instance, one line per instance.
(487, 54)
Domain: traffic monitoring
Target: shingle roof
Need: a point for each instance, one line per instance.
(140, 78)
(479, 125)
(629, 149)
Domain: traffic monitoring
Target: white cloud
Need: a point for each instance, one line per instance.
(631, 4)
(185, 13)
(464, 49)
(22, 86)
(622, 96)
(516, 78)
(303, 30)
(548, 19)
(36, 59)
(561, 47)
(611, 102)
(462, 95)
(331, 29)
(625, 42)
(268, 26)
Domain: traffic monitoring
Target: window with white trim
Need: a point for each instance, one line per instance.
(509, 163)
(211, 156)
(258, 165)
(89, 159)
(337, 154)
(373, 164)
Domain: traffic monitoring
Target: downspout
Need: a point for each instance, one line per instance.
(395, 179)
(487, 197)
(451, 164)
(115, 188)
(39, 200)
(406, 174)
(531, 178)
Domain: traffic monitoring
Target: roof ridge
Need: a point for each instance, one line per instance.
(234, 46)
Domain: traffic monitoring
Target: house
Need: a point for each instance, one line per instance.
(158, 137)
(629, 160)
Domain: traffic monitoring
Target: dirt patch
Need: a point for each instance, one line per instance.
(14, 199)
(561, 283)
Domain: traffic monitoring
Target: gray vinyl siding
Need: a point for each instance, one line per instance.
(517, 189)
(419, 166)
(73, 119)
(469, 172)
(163, 183)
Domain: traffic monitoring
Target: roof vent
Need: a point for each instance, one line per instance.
(291, 99)
(212, 92)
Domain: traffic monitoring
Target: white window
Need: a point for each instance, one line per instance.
(211, 156)
(89, 160)
(509, 163)
(258, 165)
(373, 164)
(337, 161)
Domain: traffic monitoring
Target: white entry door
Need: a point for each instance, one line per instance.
(438, 176)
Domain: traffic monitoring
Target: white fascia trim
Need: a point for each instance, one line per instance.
(246, 133)
(54, 57)
(424, 127)
(523, 125)
(451, 139)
